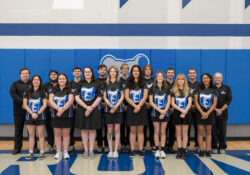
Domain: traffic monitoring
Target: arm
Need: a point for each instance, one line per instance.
(144, 98)
(153, 104)
(120, 100)
(26, 107)
(189, 105)
(80, 102)
(212, 107)
(52, 103)
(14, 94)
(198, 107)
(106, 100)
(69, 103)
(43, 107)
(168, 104)
(175, 106)
(127, 98)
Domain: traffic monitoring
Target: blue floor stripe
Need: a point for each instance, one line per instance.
(11, 170)
(197, 166)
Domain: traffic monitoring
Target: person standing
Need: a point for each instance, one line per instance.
(219, 129)
(125, 130)
(17, 90)
(170, 73)
(194, 85)
(49, 87)
(136, 94)
(205, 101)
(74, 84)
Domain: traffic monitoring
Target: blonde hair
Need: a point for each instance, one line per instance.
(123, 65)
(109, 77)
(176, 89)
(164, 83)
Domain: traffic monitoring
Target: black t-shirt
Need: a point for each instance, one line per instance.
(224, 95)
(136, 94)
(206, 97)
(124, 83)
(181, 100)
(102, 85)
(193, 88)
(113, 94)
(35, 103)
(170, 85)
(89, 91)
(60, 99)
(149, 83)
(48, 87)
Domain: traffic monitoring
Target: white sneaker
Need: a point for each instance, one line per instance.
(115, 155)
(58, 155)
(66, 155)
(49, 149)
(163, 155)
(215, 151)
(222, 151)
(110, 154)
(157, 154)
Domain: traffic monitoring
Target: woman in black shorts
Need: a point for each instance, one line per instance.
(159, 99)
(88, 115)
(113, 113)
(181, 102)
(35, 102)
(205, 101)
(61, 100)
(136, 94)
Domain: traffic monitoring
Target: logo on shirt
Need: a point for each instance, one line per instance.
(150, 85)
(160, 100)
(191, 90)
(113, 96)
(206, 100)
(61, 101)
(181, 102)
(136, 95)
(87, 94)
(223, 92)
(35, 104)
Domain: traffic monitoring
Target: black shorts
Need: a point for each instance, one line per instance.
(209, 121)
(177, 120)
(35, 122)
(156, 119)
(62, 122)
(116, 118)
(137, 119)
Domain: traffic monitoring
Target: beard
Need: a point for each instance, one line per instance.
(53, 81)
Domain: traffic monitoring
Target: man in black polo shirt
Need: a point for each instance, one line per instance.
(170, 73)
(48, 87)
(102, 70)
(194, 85)
(219, 130)
(17, 90)
(74, 84)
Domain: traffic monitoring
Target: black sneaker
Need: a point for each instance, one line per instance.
(16, 151)
(122, 148)
(29, 156)
(183, 155)
(41, 156)
(208, 154)
(132, 154)
(154, 149)
(141, 154)
(179, 154)
(170, 149)
(201, 154)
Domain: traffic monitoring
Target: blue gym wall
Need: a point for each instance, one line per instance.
(234, 64)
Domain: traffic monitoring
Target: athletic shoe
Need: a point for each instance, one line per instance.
(86, 155)
(222, 151)
(16, 151)
(163, 155)
(41, 156)
(66, 155)
(122, 148)
(110, 154)
(201, 154)
(49, 148)
(91, 155)
(154, 149)
(29, 156)
(170, 149)
(183, 155)
(58, 155)
(127, 148)
(141, 154)
(157, 154)
(106, 149)
(115, 154)
(132, 154)
(179, 154)
(215, 151)
(197, 148)
(208, 154)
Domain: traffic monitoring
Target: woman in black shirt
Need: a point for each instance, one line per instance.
(61, 100)
(35, 102)
(205, 101)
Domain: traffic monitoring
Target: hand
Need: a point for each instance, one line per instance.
(136, 111)
(138, 108)
(204, 115)
(193, 108)
(112, 111)
(58, 114)
(89, 109)
(161, 117)
(60, 110)
(218, 112)
(87, 113)
(148, 106)
(163, 112)
(182, 115)
(114, 108)
(171, 111)
(34, 115)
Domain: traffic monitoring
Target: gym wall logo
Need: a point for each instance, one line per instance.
(110, 60)
(234, 162)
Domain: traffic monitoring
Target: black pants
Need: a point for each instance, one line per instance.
(219, 130)
(72, 130)
(49, 129)
(124, 131)
(171, 133)
(195, 130)
(99, 135)
(19, 125)
(151, 130)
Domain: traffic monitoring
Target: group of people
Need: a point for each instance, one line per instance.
(130, 108)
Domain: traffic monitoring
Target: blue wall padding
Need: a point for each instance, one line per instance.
(233, 64)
